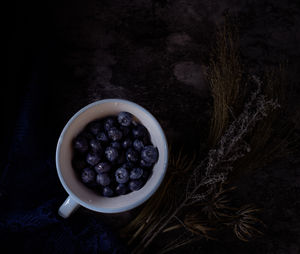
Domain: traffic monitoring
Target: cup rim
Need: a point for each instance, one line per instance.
(125, 208)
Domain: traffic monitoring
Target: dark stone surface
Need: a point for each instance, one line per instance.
(155, 53)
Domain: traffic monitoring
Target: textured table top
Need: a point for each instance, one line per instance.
(155, 53)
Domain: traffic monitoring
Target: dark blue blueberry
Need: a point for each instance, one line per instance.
(122, 158)
(107, 192)
(109, 123)
(138, 145)
(103, 179)
(78, 163)
(125, 130)
(121, 189)
(122, 175)
(145, 164)
(149, 154)
(114, 134)
(94, 127)
(102, 167)
(102, 137)
(92, 158)
(87, 135)
(87, 175)
(115, 144)
(125, 118)
(136, 173)
(95, 145)
(127, 143)
(81, 144)
(132, 155)
(128, 165)
(146, 140)
(145, 175)
(92, 185)
(135, 185)
(139, 131)
(111, 153)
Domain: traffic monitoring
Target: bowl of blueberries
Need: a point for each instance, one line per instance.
(111, 157)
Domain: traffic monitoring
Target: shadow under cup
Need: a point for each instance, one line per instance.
(86, 197)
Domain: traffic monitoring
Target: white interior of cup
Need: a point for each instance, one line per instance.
(78, 190)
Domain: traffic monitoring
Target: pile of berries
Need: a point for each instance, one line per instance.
(114, 155)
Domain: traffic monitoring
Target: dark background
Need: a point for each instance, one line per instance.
(63, 55)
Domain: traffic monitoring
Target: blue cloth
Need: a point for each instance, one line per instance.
(30, 192)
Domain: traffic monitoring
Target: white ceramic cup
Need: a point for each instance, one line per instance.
(79, 194)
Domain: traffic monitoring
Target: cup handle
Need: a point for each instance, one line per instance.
(69, 206)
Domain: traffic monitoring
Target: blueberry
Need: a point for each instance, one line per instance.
(136, 173)
(115, 144)
(103, 179)
(135, 185)
(124, 118)
(81, 144)
(132, 155)
(139, 131)
(102, 167)
(94, 127)
(145, 164)
(114, 134)
(125, 130)
(121, 159)
(92, 158)
(127, 143)
(122, 175)
(101, 136)
(78, 163)
(95, 145)
(145, 174)
(107, 192)
(109, 123)
(128, 165)
(146, 140)
(121, 189)
(138, 145)
(88, 175)
(149, 154)
(87, 135)
(111, 153)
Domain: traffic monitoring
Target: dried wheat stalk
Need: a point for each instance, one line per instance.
(216, 167)
(224, 78)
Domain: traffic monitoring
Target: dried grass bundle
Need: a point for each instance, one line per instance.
(215, 169)
(224, 77)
